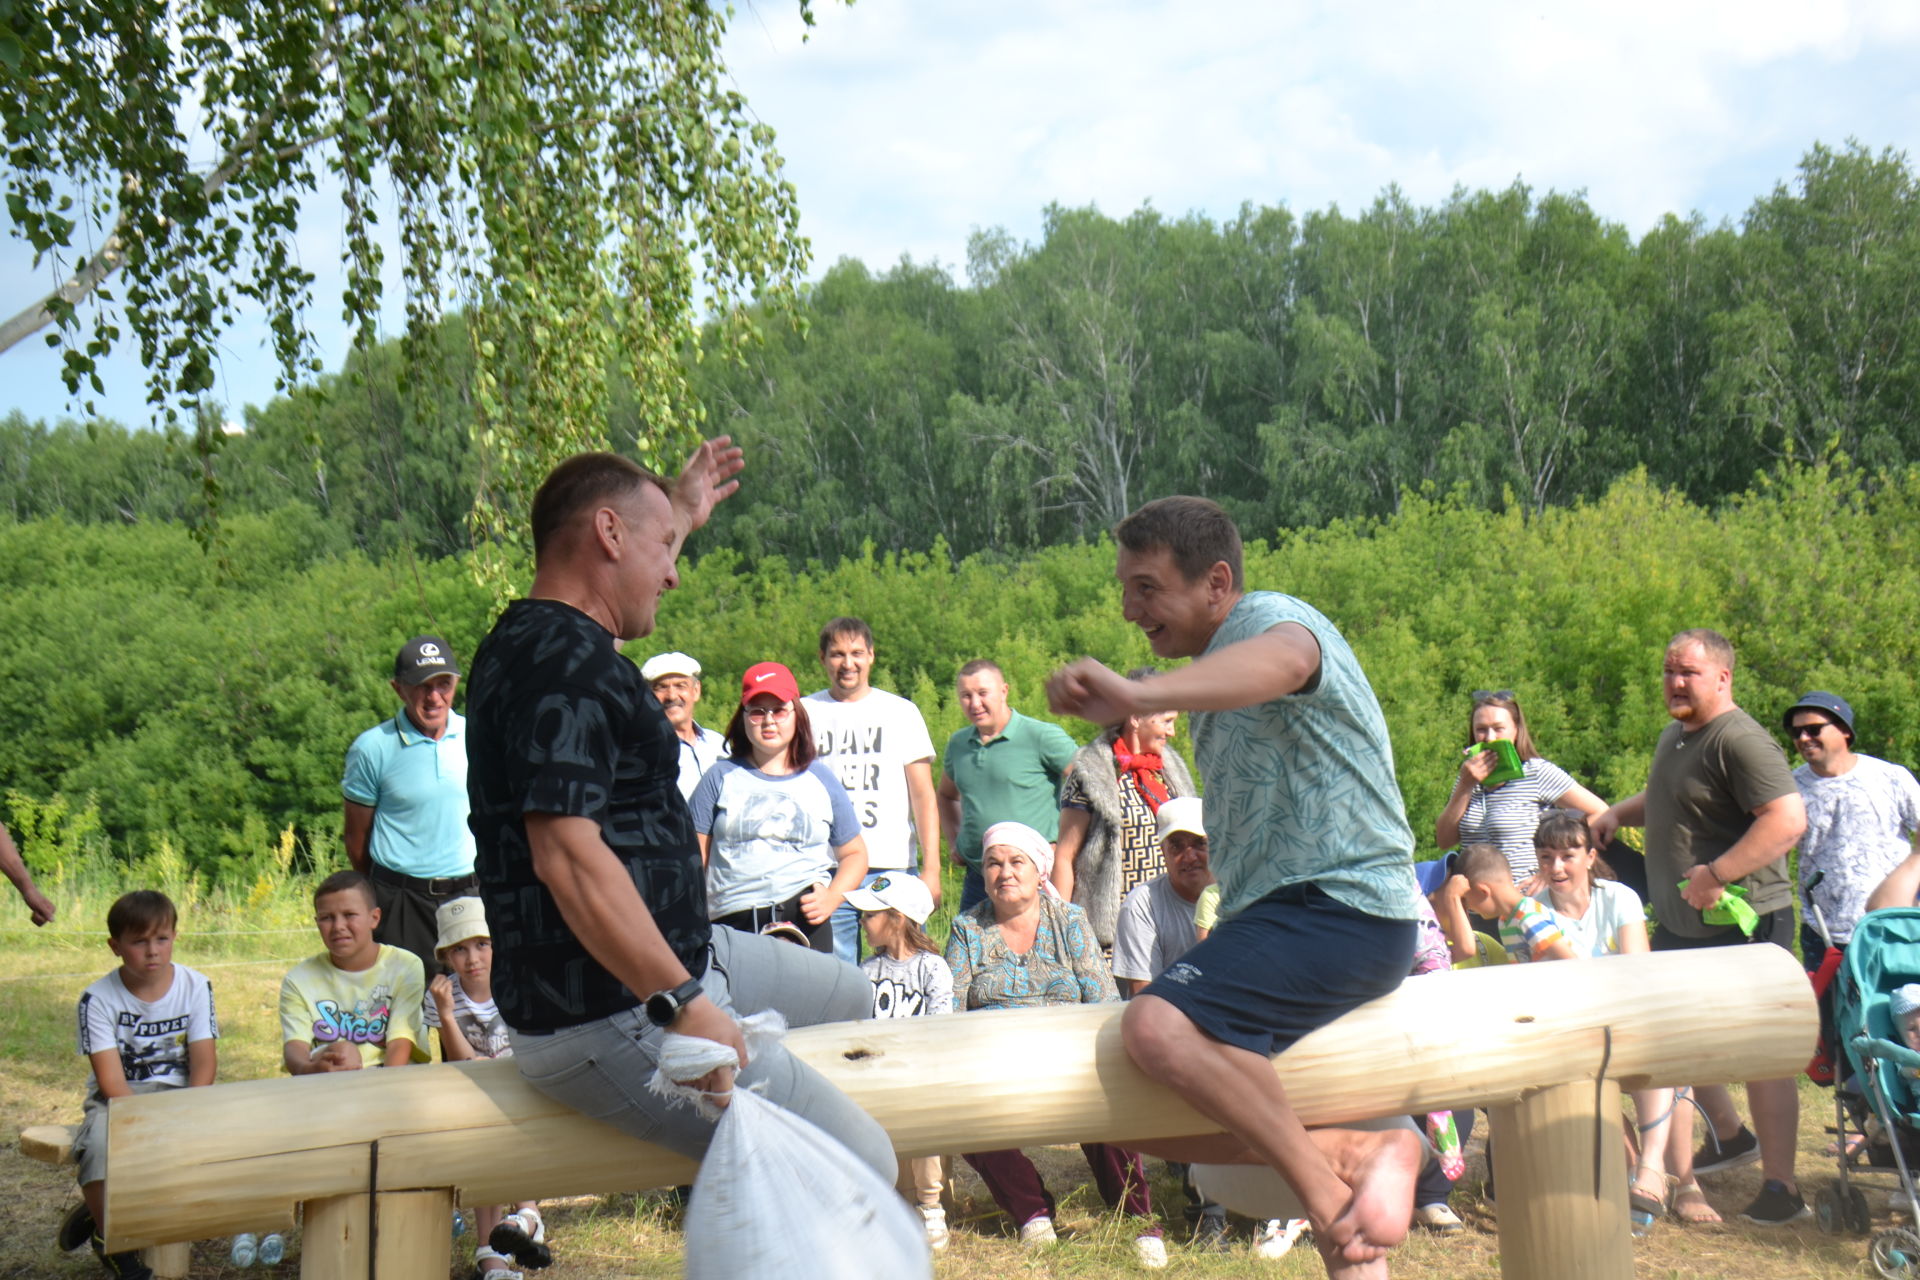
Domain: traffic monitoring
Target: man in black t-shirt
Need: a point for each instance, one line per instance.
(586, 852)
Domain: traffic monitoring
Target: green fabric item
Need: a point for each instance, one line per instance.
(1012, 777)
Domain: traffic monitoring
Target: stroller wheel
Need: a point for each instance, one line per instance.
(1896, 1254)
(1827, 1210)
(1859, 1216)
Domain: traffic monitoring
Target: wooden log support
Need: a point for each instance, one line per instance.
(411, 1238)
(1560, 1147)
(207, 1162)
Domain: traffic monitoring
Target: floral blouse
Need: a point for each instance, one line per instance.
(1064, 965)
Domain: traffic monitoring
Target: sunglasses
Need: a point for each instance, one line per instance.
(1808, 730)
(1493, 695)
(769, 713)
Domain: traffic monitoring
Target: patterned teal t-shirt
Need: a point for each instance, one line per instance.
(1302, 788)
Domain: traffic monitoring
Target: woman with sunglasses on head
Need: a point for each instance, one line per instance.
(1506, 813)
(777, 832)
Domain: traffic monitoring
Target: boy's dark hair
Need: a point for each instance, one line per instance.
(1199, 534)
(141, 911)
(855, 627)
(1484, 864)
(340, 882)
(582, 481)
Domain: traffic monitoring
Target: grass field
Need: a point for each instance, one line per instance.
(245, 946)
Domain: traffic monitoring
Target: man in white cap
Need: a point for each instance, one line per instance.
(675, 681)
(1156, 917)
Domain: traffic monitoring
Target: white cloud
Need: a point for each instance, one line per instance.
(908, 123)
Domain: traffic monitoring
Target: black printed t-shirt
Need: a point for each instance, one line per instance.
(558, 722)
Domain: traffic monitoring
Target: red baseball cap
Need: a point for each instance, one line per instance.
(769, 677)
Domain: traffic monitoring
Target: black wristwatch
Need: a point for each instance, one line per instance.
(664, 1006)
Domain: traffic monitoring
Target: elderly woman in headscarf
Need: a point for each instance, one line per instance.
(1113, 789)
(1024, 948)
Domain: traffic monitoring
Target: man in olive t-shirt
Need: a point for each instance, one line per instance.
(1720, 808)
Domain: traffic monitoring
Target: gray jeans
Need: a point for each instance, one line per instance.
(600, 1069)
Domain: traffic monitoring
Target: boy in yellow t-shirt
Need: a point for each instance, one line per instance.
(358, 1003)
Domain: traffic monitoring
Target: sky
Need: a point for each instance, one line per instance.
(909, 124)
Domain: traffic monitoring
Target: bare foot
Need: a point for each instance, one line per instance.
(1380, 1166)
(1338, 1268)
(1691, 1207)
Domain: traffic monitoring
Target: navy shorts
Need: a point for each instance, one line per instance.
(1287, 965)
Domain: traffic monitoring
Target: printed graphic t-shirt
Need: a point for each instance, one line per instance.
(867, 745)
(479, 1021)
(321, 1004)
(560, 723)
(920, 984)
(152, 1036)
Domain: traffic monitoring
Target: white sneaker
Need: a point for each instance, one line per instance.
(244, 1249)
(1276, 1238)
(935, 1219)
(1151, 1251)
(273, 1249)
(1439, 1218)
(1037, 1231)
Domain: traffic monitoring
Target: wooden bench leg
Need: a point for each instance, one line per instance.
(415, 1236)
(168, 1261)
(1552, 1224)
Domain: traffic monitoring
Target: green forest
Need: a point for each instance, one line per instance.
(1499, 441)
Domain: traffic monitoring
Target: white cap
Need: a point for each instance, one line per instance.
(459, 919)
(901, 891)
(1182, 813)
(668, 664)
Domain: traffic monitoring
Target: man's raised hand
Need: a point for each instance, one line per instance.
(708, 478)
(1090, 690)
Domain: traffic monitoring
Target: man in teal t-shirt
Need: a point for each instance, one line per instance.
(1310, 843)
(1004, 767)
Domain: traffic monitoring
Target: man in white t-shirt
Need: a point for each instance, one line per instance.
(876, 744)
(1863, 817)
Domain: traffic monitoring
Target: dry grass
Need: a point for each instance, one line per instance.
(596, 1238)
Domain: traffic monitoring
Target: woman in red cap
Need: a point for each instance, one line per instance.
(779, 835)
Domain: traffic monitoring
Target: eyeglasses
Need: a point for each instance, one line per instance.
(1808, 730)
(1493, 695)
(770, 713)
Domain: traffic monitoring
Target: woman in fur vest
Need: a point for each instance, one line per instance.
(1112, 790)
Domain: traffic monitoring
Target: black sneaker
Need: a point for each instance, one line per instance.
(1715, 1155)
(1210, 1232)
(522, 1236)
(1775, 1206)
(121, 1266)
(76, 1229)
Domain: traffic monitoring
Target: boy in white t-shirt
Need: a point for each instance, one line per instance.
(460, 1007)
(146, 1026)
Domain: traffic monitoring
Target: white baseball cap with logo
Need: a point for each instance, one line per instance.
(669, 664)
(900, 891)
(1182, 813)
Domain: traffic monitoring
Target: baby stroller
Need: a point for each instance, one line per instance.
(1877, 1095)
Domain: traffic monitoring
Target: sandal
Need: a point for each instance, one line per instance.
(1690, 1206)
(1643, 1210)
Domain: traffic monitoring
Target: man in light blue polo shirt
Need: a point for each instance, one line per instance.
(405, 789)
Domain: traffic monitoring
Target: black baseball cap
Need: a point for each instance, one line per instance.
(1831, 705)
(422, 658)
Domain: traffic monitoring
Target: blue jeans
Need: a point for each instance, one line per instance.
(600, 1069)
(973, 891)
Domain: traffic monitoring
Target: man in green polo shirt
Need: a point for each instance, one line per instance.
(1005, 767)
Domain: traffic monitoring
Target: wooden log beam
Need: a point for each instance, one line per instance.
(194, 1163)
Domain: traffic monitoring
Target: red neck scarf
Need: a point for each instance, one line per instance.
(1145, 769)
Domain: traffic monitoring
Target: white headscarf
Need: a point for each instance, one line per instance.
(1018, 835)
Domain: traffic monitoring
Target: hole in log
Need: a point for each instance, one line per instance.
(1525, 1017)
(858, 1055)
